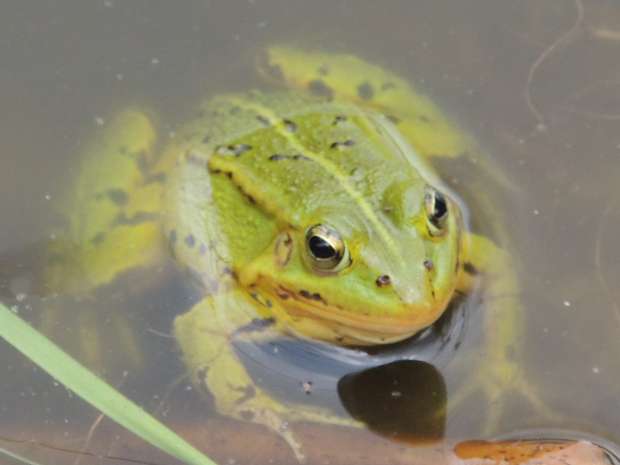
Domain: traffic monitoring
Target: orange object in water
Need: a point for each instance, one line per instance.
(530, 453)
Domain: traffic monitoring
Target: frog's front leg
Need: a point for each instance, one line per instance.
(207, 335)
(499, 370)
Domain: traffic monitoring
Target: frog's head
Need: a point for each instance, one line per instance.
(369, 275)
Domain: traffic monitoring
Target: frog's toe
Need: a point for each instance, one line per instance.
(499, 390)
(276, 423)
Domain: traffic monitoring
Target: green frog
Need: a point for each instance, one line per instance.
(313, 210)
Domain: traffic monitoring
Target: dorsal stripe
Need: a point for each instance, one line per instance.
(331, 168)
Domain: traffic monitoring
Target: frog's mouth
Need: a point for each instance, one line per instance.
(311, 316)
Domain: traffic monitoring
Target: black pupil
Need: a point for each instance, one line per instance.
(439, 206)
(321, 248)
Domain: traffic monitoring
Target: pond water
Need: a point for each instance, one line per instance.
(536, 83)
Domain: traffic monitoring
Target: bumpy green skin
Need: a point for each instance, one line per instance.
(275, 165)
(233, 194)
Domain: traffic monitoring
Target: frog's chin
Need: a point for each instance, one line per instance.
(315, 319)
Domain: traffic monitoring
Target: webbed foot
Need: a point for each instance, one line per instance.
(207, 335)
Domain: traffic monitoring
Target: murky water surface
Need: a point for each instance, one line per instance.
(537, 83)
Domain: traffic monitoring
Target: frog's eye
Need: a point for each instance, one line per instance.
(436, 210)
(326, 249)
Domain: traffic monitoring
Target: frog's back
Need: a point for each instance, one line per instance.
(299, 158)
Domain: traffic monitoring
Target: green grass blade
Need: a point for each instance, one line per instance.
(93, 390)
(16, 457)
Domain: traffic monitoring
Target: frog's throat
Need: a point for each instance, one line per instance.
(317, 319)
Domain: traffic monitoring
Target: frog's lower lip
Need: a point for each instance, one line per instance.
(359, 328)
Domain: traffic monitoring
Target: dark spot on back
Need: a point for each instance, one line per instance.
(138, 218)
(320, 89)
(365, 91)
(263, 120)
(470, 269)
(190, 240)
(235, 149)
(248, 393)
(339, 119)
(289, 125)
(275, 71)
(117, 196)
(428, 264)
(142, 161)
(342, 144)
(393, 119)
(279, 157)
(241, 148)
(98, 239)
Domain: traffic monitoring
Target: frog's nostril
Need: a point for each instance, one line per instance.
(383, 280)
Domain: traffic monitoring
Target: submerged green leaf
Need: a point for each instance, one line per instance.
(93, 390)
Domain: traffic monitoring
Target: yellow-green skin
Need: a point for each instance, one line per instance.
(232, 194)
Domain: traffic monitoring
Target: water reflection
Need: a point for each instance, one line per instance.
(487, 57)
(305, 372)
(403, 400)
